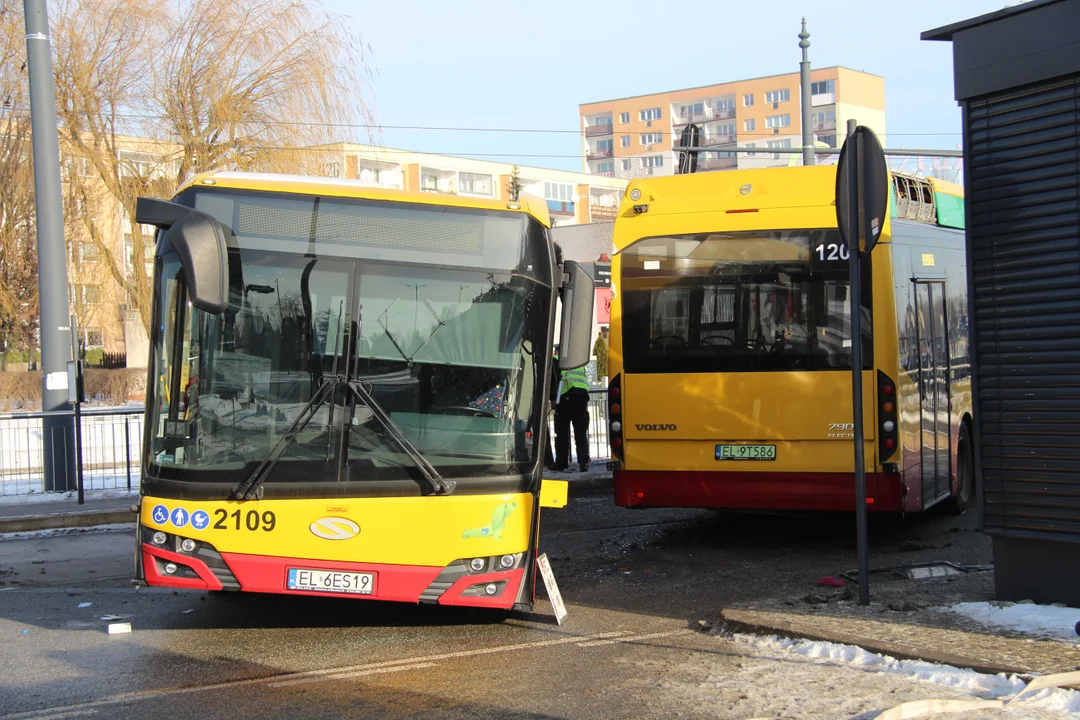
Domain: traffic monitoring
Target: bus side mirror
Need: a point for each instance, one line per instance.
(199, 241)
(575, 335)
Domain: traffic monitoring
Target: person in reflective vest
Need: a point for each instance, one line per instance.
(572, 410)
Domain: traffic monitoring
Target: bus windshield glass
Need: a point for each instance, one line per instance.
(740, 302)
(437, 311)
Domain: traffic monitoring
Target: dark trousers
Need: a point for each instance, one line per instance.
(572, 410)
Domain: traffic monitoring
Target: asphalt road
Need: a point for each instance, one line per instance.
(636, 582)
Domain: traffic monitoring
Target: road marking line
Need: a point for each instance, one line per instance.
(345, 676)
(632, 638)
(165, 692)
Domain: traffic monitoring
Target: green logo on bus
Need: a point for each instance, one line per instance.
(495, 527)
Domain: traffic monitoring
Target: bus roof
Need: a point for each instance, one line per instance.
(338, 187)
(782, 188)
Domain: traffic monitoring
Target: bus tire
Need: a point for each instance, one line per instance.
(965, 472)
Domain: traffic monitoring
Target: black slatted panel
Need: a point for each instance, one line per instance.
(1024, 230)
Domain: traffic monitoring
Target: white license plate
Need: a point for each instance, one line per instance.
(334, 581)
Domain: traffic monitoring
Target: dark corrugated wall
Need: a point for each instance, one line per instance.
(1024, 194)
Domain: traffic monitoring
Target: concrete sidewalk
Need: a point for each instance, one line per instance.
(25, 517)
(983, 651)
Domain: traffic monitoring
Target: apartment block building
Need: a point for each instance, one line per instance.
(572, 197)
(740, 121)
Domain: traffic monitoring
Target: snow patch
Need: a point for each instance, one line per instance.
(63, 532)
(993, 687)
(1044, 621)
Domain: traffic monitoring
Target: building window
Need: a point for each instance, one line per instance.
(93, 338)
(776, 96)
(650, 138)
(749, 125)
(748, 100)
(624, 118)
(829, 140)
(624, 165)
(823, 117)
(779, 144)
(652, 161)
(606, 168)
(751, 145)
(725, 105)
(429, 182)
(560, 192)
(727, 129)
(824, 87)
(605, 145)
(88, 252)
(650, 114)
(624, 141)
(778, 121)
(88, 294)
(474, 184)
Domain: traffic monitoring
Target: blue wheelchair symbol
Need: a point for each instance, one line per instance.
(160, 514)
(179, 517)
(200, 519)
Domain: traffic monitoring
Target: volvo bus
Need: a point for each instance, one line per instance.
(347, 390)
(730, 349)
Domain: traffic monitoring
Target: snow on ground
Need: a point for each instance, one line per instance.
(1043, 621)
(969, 682)
(63, 532)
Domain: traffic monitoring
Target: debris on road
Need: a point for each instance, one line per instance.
(119, 628)
(85, 604)
(830, 581)
(112, 618)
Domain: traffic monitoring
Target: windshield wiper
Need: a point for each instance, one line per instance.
(438, 483)
(252, 484)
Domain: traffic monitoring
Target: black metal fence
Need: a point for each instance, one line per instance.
(598, 426)
(111, 445)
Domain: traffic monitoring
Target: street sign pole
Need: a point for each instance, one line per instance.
(855, 266)
(862, 189)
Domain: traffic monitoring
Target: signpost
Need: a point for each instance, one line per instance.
(862, 197)
(690, 138)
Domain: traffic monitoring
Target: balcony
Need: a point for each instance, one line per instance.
(600, 154)
(599, 130)
(559, 207)
(604, 173)
(717, 164)
(603, 212)
(714, 140)
(825, 125)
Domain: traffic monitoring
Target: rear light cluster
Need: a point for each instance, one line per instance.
(615, 417)
(889, 432)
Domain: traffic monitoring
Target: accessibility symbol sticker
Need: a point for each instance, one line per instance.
(200, 519)
(179, 517)
(160, 514)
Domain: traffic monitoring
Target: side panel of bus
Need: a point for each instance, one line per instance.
(933, 375)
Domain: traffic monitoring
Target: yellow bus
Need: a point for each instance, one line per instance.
(730, 346)
(347, 390)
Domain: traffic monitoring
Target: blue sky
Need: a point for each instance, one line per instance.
(527, 65)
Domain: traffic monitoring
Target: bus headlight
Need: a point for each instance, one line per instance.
(491, 589)
(188, 545)
(507, 561)
(477, 564)
(170, 568)
(159, 538)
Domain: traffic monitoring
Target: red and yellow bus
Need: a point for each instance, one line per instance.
(347, 390)
(730, 352)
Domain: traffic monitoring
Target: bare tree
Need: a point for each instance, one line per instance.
(151, 92)
(18, 248)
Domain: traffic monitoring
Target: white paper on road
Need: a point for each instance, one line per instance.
(552, 588)
(85, 604)
(119, 628)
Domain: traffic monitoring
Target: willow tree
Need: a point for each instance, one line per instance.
(152, 92)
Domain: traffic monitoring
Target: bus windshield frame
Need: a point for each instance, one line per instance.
(437, 311)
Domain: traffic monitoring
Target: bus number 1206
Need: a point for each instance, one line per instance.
(832, 251)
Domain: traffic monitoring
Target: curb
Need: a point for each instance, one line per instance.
(52, 521)
(592, 486)
(736, 621)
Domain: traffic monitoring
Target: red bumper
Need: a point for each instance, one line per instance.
(759, 491)
(268, 574)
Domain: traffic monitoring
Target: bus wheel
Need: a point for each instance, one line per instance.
(965, 472)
